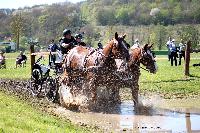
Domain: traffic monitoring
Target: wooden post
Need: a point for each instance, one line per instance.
(32, 56)
(187, 58)
(188, 123)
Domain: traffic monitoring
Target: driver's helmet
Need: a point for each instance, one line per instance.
(78, 36)
(66, 32)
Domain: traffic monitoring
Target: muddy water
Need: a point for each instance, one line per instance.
(161, 117)
(157, 119)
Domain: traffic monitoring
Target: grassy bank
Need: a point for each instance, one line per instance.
(18, 116)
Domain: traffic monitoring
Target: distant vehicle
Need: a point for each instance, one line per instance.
(10, 46)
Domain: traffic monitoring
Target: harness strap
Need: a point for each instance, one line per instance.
(97, 62)
(135, 63)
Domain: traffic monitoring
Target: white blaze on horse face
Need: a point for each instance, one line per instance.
(121, 65)
(155, 64)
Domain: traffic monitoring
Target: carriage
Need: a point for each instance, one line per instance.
(84, 72)
(44, 81)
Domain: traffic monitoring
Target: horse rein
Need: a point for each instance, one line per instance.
(135, 63)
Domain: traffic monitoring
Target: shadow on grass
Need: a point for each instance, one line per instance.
(194, 76)
(173, 80)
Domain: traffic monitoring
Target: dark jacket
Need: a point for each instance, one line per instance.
(80, 43)
(21, 58)
(53, 47)
(71, 43)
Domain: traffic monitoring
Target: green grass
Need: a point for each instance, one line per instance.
(167, 80)
(20, 73)
(12, 73)
(170, 80)
(18, 116)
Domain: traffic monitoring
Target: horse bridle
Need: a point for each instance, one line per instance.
(139, 61)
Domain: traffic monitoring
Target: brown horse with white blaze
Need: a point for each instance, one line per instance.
(88, 65)
(138, 56)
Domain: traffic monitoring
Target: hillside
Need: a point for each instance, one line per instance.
(46, 22)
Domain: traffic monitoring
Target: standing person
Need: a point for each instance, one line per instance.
(67, 41)
(173, 51)
(167, 45)
(181, 51)
(53, 47)
(79, 41)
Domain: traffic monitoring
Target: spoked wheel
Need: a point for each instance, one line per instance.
(35, 82)
(51, 89)
(34, 87)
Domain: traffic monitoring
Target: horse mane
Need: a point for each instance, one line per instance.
(108, 47)
(135, 54)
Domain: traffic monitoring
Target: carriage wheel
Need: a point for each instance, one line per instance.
(57, 96)
(51, 89)
(35, 82)
(34, 87)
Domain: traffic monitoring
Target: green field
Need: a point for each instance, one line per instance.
(19, 117)
(168, 79)
(11, 72)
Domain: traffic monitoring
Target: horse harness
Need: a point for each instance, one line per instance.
(135, 63)
(100, 58)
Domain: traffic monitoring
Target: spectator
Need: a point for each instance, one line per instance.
(181, 51)
(168, 44)
(67, 42)
(173, 51)
(21, 59)
(2, 59)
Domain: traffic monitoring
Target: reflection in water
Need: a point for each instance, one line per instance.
(126, 109)
(157, 120)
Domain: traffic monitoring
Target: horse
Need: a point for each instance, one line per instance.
(84, 66)
(138, 56)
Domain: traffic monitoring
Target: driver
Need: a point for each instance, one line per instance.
(67, 42)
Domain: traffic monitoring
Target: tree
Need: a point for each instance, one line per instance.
(158, 36)
(17, 28)
(23, 43)
(191, 33)
(122, 16)
(106, 17)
